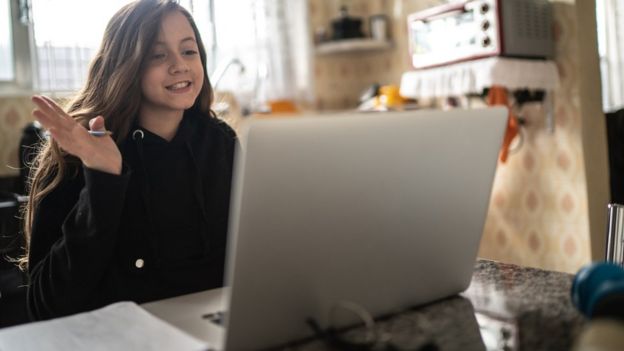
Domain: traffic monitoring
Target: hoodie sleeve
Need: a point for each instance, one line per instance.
(72, 241)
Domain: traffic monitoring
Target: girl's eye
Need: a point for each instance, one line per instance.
(158, 56)
(189, 52)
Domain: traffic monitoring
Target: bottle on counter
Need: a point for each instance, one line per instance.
(598, 293)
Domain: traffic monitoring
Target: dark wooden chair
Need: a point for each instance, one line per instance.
(12, 279)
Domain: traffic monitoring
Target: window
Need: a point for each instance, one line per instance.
(54, 42)
(15, 59)
(67, 34)
(7, 66)
(269, 38)
(610, 20)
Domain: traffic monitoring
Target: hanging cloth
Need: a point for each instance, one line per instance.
(498, 96)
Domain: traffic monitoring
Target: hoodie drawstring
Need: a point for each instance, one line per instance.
(137, 136)
(199, 193)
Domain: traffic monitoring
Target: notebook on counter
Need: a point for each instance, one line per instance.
(120, 326)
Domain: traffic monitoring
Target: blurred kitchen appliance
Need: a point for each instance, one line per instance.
(346, 27)
(480, 28)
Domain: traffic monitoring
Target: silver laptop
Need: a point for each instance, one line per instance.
(383, 210)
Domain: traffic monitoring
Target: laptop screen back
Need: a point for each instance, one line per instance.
(385, 210)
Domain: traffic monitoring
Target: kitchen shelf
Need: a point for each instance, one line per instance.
(352, 45)
(471, 77)
(475, 75)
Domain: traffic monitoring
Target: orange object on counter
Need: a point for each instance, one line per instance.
(390, 97)
(498, 96)
(282, 106)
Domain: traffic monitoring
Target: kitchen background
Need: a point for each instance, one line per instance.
(539, 213)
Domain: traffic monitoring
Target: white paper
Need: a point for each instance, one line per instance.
(120, 326)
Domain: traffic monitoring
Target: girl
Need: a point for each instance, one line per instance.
(138, 212)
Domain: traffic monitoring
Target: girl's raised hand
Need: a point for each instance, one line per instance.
(96, 152)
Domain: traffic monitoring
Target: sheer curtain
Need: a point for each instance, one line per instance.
(6, 49)
(610, 19)
(269, 38)
(66, 35)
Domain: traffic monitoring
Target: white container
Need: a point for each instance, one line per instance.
(379, 27)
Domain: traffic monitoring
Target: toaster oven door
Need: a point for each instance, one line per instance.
(454, 33)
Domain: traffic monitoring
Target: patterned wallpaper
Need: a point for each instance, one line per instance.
(14, 115)
(538, 211)
(538, 214)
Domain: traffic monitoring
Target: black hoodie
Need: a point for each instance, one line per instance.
(155, 231)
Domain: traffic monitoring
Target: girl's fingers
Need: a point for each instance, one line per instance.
(43, 104)
(46, 121)
(97, 123)
(65, 141)
(54, 134)
(57, 129)
(45, 108)
(53, 111)
(59, 138)
(55, 106)
(72, 137)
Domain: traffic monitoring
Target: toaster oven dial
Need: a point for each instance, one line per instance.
(485, 25)
(486, 42)
(485, 8)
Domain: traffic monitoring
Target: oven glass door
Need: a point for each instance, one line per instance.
(453, 36)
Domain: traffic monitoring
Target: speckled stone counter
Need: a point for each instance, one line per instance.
(506, 307)
(524, 308)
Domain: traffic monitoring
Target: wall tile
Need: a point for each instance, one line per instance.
(15, 113)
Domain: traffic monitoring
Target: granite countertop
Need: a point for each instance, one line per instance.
(535, 303)
(506, 307)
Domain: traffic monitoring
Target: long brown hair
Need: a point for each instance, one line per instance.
(112, 90)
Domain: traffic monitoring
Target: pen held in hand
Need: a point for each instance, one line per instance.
(100, 133)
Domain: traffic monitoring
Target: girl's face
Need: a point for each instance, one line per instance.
(174, 73)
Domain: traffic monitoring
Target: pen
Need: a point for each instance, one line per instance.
(100, 133)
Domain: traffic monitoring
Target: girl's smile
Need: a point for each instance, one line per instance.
(180, 87)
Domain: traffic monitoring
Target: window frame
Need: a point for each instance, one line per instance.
(22, 51)
(26, 70)
(609, 31)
